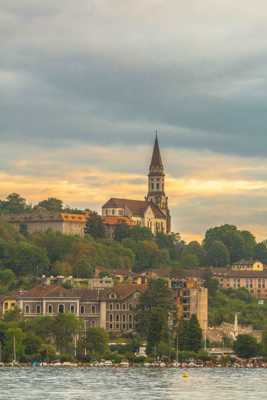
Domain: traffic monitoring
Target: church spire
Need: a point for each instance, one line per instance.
(156, 164)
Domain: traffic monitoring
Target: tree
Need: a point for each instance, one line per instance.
(246, 346)
(121, 232)
(240, 244)
(51, 204)
(14, 204)
(193, 335)
(7, 278)
(96, 342)
(140, 233)
(95, 227)
(189, 334)
(65, 327)
(32, 344)
(157, 296)
(57, 245)
(158, 330)
(218, 254)
(260, 252)
(83, 269)
(29, 259)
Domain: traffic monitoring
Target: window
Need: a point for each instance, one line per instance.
(61, 308)
(93, 323)
(123, 326)
(111, 306)
(110, 326)
(27, 309)
(72, 308)
(124, 306)
(50, 309)
(6, 306)
(130, 317)
(93, 309)
(38, 309)
(124, 318)
(113, 212)
(157, 186)
(110, 317)
(117, 306)
(82, 309)
(117, 317)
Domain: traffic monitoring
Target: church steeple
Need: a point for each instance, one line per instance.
(156, 182)
(156, 161)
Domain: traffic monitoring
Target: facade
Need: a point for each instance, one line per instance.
(191, 298)
(153, 212)
(42, 221)
(112, 309)
(248, 265)
(254, 281)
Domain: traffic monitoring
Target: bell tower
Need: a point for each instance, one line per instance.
(156, 183)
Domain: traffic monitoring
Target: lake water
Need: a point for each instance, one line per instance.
(131, 384)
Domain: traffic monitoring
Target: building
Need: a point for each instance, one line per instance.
(253, 280)
(42, 221)
(248, 265)
(191, 298)
(153, 212)
(112, 309)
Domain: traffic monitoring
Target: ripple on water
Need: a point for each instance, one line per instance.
(131, 384)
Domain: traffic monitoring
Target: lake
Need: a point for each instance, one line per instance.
(131, 384)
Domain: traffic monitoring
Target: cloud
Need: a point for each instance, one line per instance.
(84, 85)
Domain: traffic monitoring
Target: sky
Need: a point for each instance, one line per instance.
(84, 84)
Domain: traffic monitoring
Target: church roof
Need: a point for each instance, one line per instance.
(137, 207)
(156, 161)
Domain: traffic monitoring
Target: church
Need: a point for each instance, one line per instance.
(153, 212)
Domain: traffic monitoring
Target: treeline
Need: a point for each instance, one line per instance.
(134, 248)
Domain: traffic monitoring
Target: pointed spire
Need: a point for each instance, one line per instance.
(156, 161)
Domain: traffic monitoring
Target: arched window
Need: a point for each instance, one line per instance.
(38, 309)
(50, 309)
(72, 308)
(61, 308)
(82, 309)
(27, 309)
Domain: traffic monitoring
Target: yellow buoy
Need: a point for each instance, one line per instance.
(185, 375)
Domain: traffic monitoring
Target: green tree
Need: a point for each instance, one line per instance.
(260, 252)
(246, 346)
(95, 227)
(83, 269)
(14, 204)
(29, 259)
(51, 204)
(158, 330)
(14, 334)
(193, 335)
(32, 344)
(57, 245)
(97, 342)
(122, 231)
(157, 296)
(218, 254)
(65, 327)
